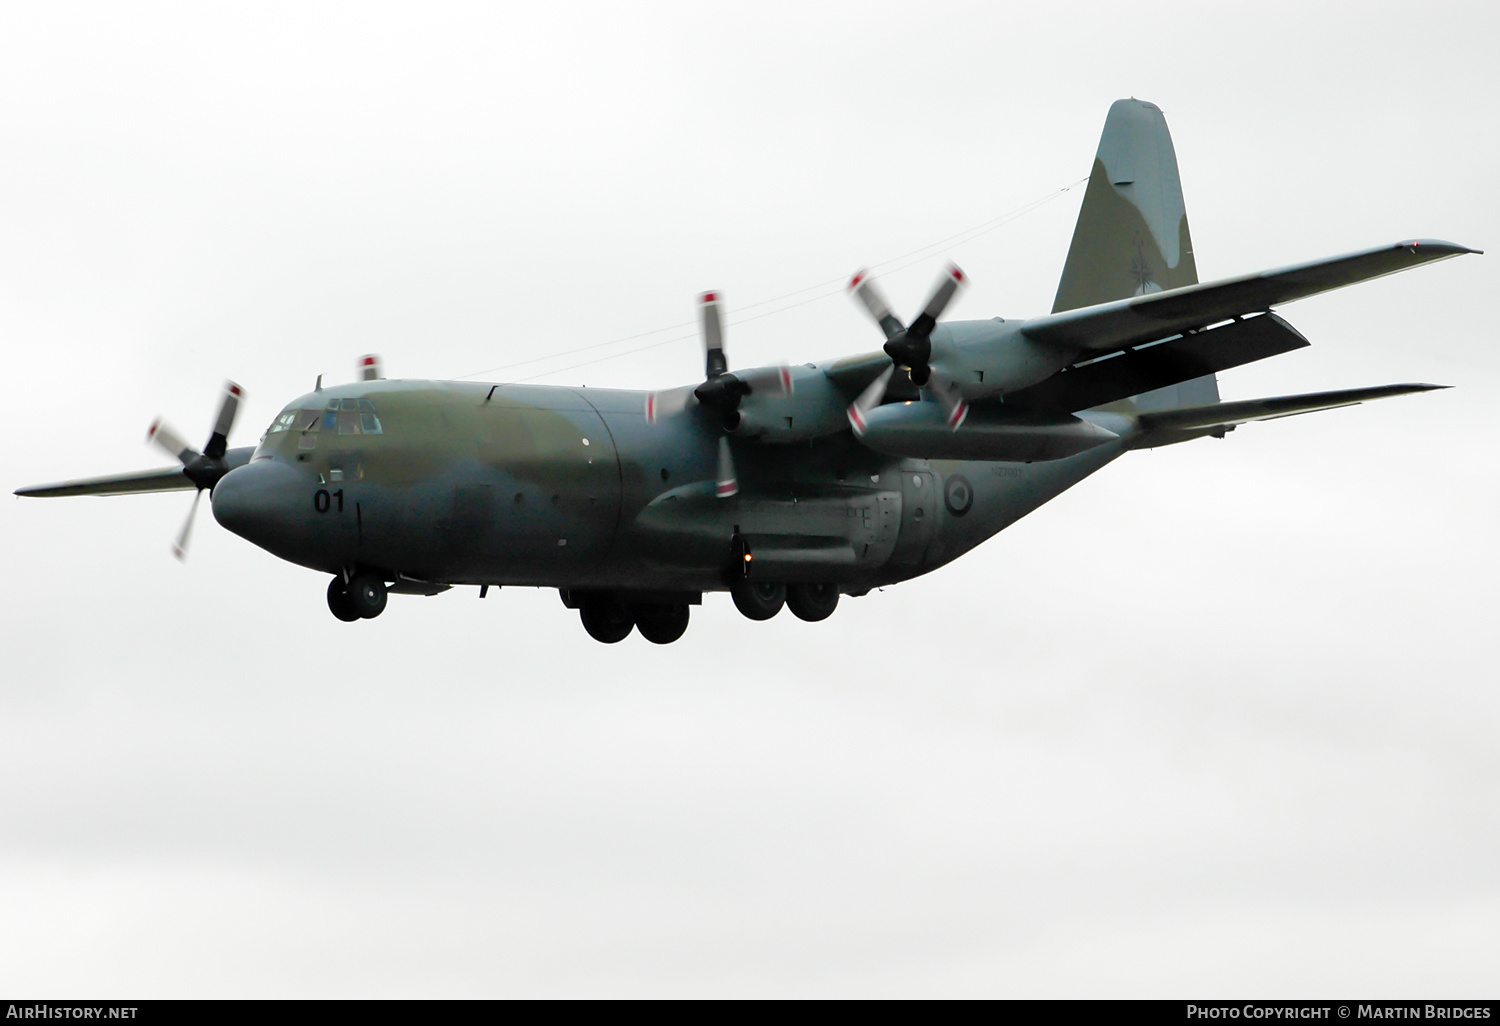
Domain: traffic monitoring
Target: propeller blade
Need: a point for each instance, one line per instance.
(667, 404)
(863, 287)
(228, 407)
(728, 485)
(947, 287)
(715, 362)
(768, 379)
(180, 546)
(868, 400)
(952, 401)
(171, 442)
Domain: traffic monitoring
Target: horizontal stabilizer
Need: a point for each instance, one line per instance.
(1141, 319)
(170, 479)
(1173, 425)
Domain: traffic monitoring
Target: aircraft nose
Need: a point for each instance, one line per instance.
(258, 502)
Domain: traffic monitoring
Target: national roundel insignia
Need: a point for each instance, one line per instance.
(958, 495)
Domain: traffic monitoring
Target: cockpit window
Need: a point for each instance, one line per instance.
(346, 416)
(368, 422)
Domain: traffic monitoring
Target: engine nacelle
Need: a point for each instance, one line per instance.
(813, 409)
(920, 430)
(991, 358)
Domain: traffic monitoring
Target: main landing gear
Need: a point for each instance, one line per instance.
(761, 600)
(363, 598)
(609, 619)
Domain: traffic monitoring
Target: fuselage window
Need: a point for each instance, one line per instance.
(283, 422)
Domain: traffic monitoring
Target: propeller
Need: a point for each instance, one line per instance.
(909, 346)
(204, 468)
(721, 391)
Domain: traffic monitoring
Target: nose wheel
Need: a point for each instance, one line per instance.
(363, 598)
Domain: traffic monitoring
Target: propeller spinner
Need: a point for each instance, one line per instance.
(909, 347)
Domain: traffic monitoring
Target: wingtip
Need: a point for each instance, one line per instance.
(1440, 246)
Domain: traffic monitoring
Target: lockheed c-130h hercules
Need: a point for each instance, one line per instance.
(782, 485)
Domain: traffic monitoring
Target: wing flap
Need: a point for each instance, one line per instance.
(1141, 319)
(1134, 371)
(170, 479)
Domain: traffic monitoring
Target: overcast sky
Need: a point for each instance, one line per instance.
(1220, 720)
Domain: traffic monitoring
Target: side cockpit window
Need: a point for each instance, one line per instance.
(368, 422)
(346, 416)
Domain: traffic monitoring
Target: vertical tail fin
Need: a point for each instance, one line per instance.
(1132, 235)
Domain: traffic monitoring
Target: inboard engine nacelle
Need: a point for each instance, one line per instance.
(920, 430)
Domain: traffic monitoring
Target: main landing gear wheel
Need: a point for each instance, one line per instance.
(812, 602)
(605, 619)
(662, 625)
(339, 602)
(367, 594)
(758, 600)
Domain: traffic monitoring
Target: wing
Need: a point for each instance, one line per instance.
(170, 479)
(1129, 322)
(1169, 426)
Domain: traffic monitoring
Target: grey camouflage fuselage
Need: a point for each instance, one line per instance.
(571, 488)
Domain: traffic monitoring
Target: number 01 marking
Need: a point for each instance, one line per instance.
(322, 500)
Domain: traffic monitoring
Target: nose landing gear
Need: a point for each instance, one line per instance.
(363, 598)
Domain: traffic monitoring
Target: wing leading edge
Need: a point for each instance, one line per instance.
(1129, 322)
(169, 479)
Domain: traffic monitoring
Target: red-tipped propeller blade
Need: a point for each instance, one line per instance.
(728, 484)
(714, 360)
(667, 403)
(170, 442)
(868, 400)
(953, 403)
(768, 379)
(863, 288)
(228, 407)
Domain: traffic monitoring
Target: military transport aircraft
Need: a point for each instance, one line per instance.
(782, 485)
